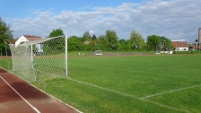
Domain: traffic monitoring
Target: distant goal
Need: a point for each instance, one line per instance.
(98, 52)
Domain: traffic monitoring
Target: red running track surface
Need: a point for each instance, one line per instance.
(18, 96)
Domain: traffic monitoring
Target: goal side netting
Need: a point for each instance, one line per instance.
(40, 59)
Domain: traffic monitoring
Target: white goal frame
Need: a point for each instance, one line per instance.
(29, 47)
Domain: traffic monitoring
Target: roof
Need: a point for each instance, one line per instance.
(180, 44)
(26, 38)
(30, 38)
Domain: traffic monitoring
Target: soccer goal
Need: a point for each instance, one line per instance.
(40, 58)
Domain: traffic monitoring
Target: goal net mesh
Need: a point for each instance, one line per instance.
(39, 59)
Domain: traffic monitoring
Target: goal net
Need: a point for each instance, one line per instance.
(40, 59)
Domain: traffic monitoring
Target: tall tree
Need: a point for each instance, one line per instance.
(153, 42)
(5, 34)
(94, 37)
(137, 41)
(124, 45)
(56, 45)
(86, 36)
(94, 42)
(74, 43)
(56, 32)
(112, 40)
(166, 44)
(102, 43)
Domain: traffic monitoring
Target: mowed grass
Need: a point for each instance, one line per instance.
(6, 62)
(130, 84)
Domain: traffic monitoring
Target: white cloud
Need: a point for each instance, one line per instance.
(175, 19)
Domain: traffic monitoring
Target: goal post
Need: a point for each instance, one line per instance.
(66, 55)
(41, 59)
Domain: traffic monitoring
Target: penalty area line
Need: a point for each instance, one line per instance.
(171, 91)
(127, 95)
(34, 108)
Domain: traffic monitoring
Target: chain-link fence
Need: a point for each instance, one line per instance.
(40, 59)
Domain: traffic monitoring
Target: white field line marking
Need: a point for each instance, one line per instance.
(89, 84)
(127, 95)
(171, 91)
(34, 108)
(169, 107)
(56, 99)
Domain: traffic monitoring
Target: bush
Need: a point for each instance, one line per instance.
(185, 52)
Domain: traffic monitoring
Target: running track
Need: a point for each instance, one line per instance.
(18, 96)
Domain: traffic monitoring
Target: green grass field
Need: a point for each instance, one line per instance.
(130, 84)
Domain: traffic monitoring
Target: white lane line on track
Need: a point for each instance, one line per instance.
(34, 108)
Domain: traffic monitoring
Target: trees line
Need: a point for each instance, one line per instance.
(111, 42)
(107, 42)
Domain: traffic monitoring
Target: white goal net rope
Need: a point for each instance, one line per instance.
(40, 59)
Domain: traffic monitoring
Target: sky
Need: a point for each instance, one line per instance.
(174, 19)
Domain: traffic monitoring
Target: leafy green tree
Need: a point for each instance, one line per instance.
(56, 45)
(94, 42)
(86, 36)
(137, 41)
(88, 42)
(169, 45)
(124, 45)
(166, 44)
(94, 38)
(56, 32)
(102, 43)
(153, 42)
(88, 47)
(112, 40)
(5, 35)
(74, 43)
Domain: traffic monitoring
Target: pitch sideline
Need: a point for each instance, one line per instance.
(127, 95)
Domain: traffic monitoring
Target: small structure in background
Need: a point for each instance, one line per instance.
(158, 52)
(98, 52)
(80, 54)
(38, 48)
(194, 46)
(26, 38)
(199, 35)
(180, 45)
(166, 52)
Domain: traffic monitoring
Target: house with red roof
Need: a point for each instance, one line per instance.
(180, 45)
(26, 38)
(29, 38)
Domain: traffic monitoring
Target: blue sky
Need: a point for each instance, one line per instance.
(175, 19)
(25, 8)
